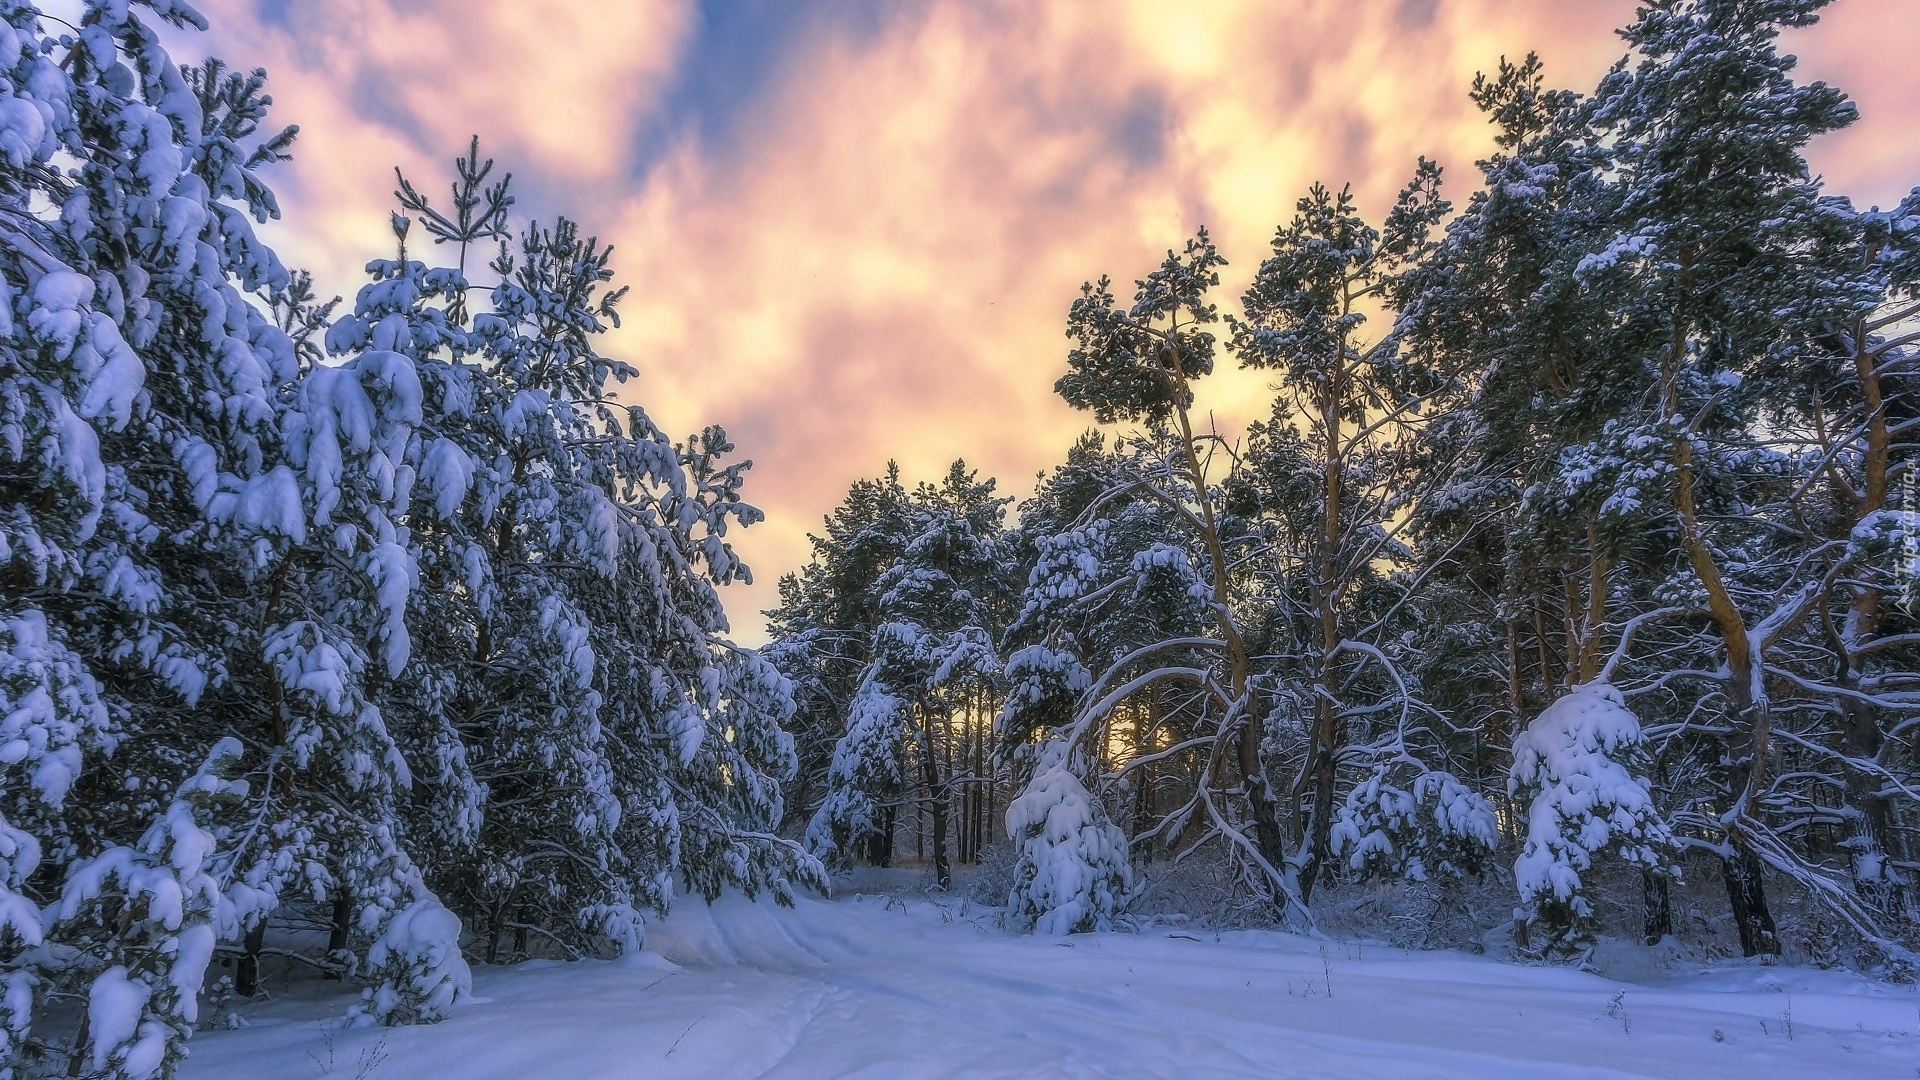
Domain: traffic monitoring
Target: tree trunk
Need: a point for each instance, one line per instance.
(1860, 733)
(986, 823)
(1266, 818)
(1746, 888)
(1860, 739)
(1543, 651)
(341, 926)
(1752, 724)
(77, 1060)
(1326, 727)
(1516, 710)
(1143, 736)
(936, 804)
(963, 836)
(1319, 839)
(246, 975)
(1659, 899)
(1259, 793)
(880, 843)
(1595, 617)
(1748, 898)
(982, 789)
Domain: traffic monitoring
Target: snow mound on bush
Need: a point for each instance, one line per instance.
(1073, 874)
(418, 965)
(1585, 802)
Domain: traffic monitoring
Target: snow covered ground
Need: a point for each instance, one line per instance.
(878, 987)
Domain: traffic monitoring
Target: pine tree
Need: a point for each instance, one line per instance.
(932, 646)
(1344, 402)
(1857, 369)
(595, 737)
(822, 638)
(1104, 588)
(1715, 214)
(1139, 363)
(150, 496)
(1573, 763)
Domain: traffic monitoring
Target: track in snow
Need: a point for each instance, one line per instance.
(867, 987)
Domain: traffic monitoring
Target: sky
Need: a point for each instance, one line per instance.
(852, 227)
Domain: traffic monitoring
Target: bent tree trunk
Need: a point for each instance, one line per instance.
(1260, 801)
(1860, 731)
(1745, 691)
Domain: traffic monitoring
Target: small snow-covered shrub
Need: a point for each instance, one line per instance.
(1434, 825)
(1572, 766)
(1072, 875)
(992, 879)
(416, 967)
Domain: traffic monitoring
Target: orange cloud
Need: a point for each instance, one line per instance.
(885, 273)
(878, 261)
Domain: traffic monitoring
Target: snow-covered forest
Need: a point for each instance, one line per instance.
(1562, 608)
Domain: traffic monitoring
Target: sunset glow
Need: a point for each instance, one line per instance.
(852, 229)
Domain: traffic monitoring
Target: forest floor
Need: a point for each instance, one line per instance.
(888, 986)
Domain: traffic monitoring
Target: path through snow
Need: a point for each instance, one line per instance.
(868, 987)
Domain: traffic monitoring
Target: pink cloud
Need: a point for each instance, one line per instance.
(553, 88)
(878, 262)
(885, 272)
(1864, 47)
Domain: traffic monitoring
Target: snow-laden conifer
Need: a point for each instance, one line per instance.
(1414, 822)
(1072, 874)
(142, 921)
(588, 737)
(152, 516)
(1574, 774)
(931, 649)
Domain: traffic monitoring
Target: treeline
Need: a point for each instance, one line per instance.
(1580, 535)
(354, 639)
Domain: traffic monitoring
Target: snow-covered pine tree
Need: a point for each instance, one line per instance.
(1675, 400)
(932, 652)
(1861, 363)
(150, 497)
(1542, 531)
(1328, 480)
(1707, 262)
(146, 917)
(1103, 583)
(1104, 589)
(1139, 363)
(822, 640)
(352, 887)
(1574, 772)
(593, 736)
(1495, 309)
(1072, 874)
